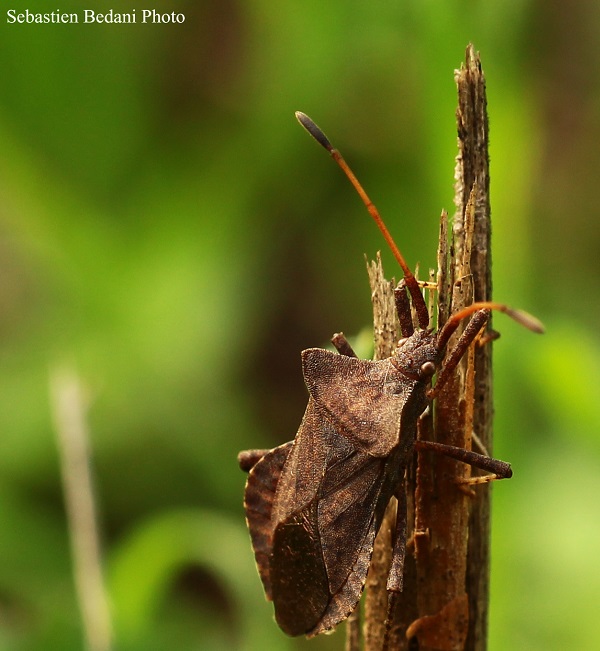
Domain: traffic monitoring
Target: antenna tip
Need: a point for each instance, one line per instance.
(527, 320)
(314, 130)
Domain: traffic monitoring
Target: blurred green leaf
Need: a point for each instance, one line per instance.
(144, 566)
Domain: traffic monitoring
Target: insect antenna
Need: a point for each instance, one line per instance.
(409, 278)
(520, 316)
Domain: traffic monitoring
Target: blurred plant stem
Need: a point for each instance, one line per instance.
(69, 410)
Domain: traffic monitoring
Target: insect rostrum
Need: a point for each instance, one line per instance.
(314, 505)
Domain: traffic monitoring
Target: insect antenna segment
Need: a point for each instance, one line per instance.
(409, 278)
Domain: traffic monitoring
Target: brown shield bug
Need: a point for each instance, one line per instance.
(315, 505)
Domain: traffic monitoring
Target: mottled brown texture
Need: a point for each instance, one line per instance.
(258, 503)
(472, 170)
(314, 508)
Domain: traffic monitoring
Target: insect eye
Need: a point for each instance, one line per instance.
(427, 369)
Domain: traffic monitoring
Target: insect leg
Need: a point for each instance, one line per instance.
(342, 346)
(247, 459)
(474, 327)
(499, 468)
(487, 337)
(403, 309)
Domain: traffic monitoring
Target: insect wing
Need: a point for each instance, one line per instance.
(355, 495)
(323, 533)
(259, 496)
(314, 507)
(363, 399)
(297, 574)
(305, 465)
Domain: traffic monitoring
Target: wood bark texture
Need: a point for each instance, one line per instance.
(443, 606)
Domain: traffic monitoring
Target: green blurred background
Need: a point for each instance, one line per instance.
(166, 226)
